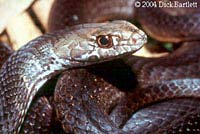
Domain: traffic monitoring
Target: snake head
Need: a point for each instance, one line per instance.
(97, 42)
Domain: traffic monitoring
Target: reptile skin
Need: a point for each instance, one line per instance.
(170, 24)
(81, 102)
(31, 66)
(159, 79)
(104, 105)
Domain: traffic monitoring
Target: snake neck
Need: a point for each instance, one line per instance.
(21, 77)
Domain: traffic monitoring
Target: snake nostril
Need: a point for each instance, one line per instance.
(134, 40)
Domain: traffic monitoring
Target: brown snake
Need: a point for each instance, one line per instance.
(29, 68)
(79, 96)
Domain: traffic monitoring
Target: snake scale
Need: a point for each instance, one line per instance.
(90, 100)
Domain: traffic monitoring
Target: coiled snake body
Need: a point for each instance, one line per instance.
(78, 102)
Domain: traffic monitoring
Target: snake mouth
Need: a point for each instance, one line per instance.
(94, 59)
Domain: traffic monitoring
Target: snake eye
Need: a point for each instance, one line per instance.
(104, 41)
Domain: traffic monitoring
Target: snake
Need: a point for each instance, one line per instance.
(174, 98)
(81, 100)
(166, 82)
(30, 67)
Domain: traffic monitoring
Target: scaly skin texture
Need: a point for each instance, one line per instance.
(40, 117)
(78, 98)
(155, 71)
(175, 116)
(77, 107)
(166, 29)
(70, 12)
(163, 24)
(30, 67)
(159, 80)
(161, 86)
(168, 25)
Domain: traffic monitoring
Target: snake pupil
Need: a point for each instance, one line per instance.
(103, 40)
